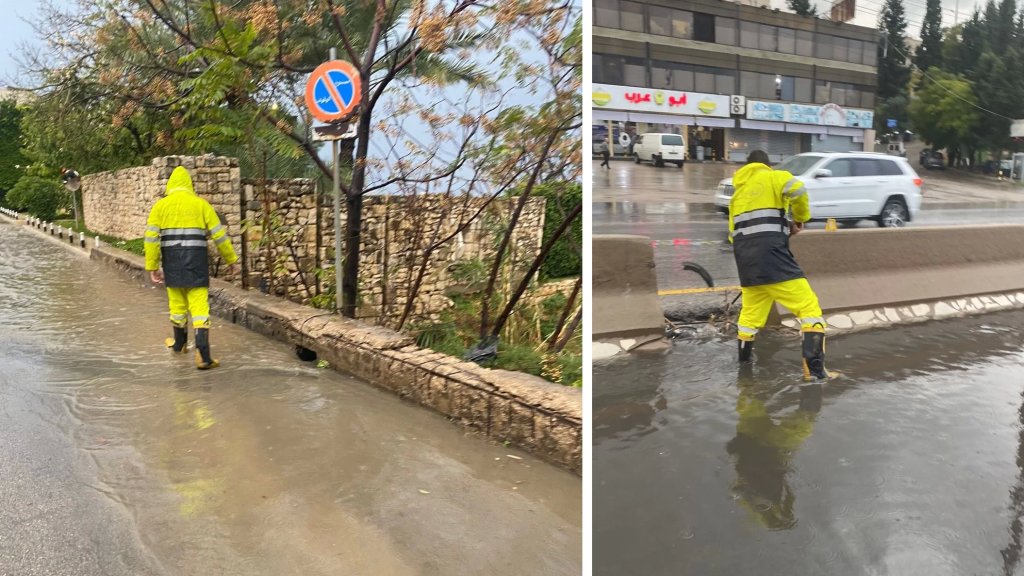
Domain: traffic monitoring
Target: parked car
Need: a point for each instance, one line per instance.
(658, 148)
(923, 156)
(850, 186)
(934, 160)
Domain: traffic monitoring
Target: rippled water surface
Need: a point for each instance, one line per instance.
(912, 463)
(118, 458)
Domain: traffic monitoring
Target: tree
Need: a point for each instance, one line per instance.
(12, 162)
(929, 53)
(893, 71)
(944, 110)
(802, 7)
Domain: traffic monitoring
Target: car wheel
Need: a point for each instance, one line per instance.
(680, 164)
(894, 214)
(657, 161)
(637, 156)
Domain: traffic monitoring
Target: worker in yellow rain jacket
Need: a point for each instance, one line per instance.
(759, 230)
(176, 234)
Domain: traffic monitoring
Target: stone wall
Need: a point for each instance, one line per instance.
(290, 234)
(117, 203)
(396, 232)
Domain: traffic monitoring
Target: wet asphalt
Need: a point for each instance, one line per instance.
(119, 458)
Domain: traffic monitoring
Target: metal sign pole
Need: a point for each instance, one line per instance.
(337, 219)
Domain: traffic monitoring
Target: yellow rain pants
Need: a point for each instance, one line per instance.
(189, 301)
(796, 295)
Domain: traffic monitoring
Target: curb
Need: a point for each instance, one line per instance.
(528, 412)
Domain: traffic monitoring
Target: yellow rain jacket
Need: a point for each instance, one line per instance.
(758, 227)
(176, 233)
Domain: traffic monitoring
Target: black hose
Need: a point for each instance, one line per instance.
(694, 267)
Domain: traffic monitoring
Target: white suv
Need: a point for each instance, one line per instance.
(850, 186)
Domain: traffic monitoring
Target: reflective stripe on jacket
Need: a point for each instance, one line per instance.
(758, 227)
(176, 233)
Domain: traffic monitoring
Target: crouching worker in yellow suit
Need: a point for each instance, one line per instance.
(759, 231)
(176, 233)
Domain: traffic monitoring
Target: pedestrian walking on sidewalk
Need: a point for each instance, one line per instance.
(606, 154)
(759, 230)
(176, 236)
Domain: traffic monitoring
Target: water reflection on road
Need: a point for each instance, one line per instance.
(909, 464)
(264, 466)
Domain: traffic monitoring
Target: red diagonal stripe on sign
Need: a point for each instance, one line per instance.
(334, 91)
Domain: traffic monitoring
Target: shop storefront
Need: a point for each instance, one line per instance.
(622, 112)
(711, 131)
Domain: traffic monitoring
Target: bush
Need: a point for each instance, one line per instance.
(40, 197)
(566, 257)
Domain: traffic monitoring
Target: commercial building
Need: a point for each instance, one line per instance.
(731, 78)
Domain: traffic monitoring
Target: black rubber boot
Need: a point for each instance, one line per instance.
(746, 348)
(180, 340)
(203, 359)
(814, 356)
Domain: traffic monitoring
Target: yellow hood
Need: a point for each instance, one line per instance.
(744, 174)
(180, 181)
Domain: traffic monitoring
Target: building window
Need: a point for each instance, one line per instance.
(748, 84)
(705, 80)
(867, 99)
(632, 15)
(870, 55)
(682, 80)
(606, 13)
(767, 40)
(682, 24)
(787, 40)
(749, 34)
(840, 49)
(788, 88)
(725, 31)
(821, 92)
(659, 20)
(610, 70)
(823, 46)
(804, 43)
(802, 90)
(766, 86)
(856, 51)
(634, 74)
(725, 83)
(704, 27)
(839, 94)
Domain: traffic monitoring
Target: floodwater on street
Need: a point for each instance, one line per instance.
(911, 463)
(119, 458)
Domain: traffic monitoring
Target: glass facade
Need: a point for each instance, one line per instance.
(691, 25)
(672, 23)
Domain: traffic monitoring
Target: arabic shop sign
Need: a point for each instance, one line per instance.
(662, 101)
(827, 115)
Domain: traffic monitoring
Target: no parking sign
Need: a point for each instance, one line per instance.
(333, 90)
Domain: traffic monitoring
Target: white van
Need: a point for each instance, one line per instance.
(658, 148)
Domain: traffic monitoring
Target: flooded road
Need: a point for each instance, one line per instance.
(912, 463)
(117, 458)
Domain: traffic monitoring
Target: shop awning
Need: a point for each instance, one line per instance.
(840, 131)
(650, 118)
(806, 129)
(716, 122)
(615, 115)
(759, 125)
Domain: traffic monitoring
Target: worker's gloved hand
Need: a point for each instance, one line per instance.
(157, 276)
(795, 228)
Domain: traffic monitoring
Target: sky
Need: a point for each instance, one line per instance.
(867, 11)
(14, 31)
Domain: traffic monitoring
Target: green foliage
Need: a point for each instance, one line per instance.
(943, 111)
(893, 71)
(802, 7)
(566, 257)
(41, 197)
(12, 162)
(929, 53)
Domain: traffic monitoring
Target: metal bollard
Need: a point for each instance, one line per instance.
(98, 241)
(81, 239)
